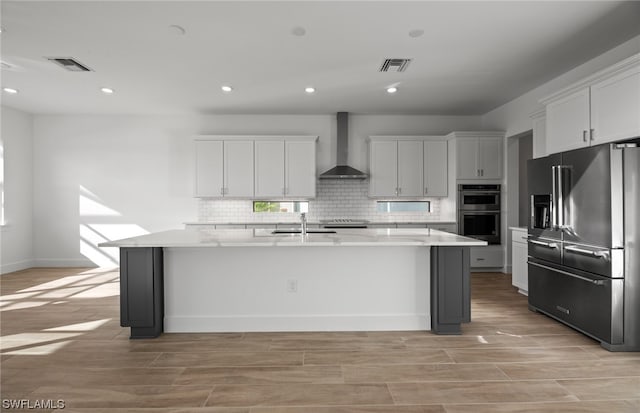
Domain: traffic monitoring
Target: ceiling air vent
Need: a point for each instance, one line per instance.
(395, 65)
(69, 64)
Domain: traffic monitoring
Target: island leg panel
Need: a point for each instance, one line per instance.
(141, 291)
(450, 289)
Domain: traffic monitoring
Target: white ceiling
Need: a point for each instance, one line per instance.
(473, 56)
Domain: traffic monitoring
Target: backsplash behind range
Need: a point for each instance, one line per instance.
(334, 199)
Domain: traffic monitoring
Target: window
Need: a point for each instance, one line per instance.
(403, 206)
(280, 206)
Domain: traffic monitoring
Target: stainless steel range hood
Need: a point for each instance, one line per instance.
(342, 170)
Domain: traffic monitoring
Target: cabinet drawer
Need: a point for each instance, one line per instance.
(583, 301)
(489, 257)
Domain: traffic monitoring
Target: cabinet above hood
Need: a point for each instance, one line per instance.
(342, 170)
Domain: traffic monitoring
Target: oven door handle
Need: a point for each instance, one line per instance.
(550, 245)
(596, 282)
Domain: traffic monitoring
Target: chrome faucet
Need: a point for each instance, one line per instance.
(303, 223)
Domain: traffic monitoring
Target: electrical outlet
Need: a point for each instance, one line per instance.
(292, 286)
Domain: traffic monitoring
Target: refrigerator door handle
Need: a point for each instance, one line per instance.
(597, 254)
(596, 282)
(554, 198)
(550, 245)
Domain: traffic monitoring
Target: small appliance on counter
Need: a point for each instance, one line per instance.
(584, 230)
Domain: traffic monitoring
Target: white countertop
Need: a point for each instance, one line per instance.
(264, 238)
(295, 223)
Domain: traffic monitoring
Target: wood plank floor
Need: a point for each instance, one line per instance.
(61, 340)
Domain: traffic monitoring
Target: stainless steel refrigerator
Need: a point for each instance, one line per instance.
(584, 230)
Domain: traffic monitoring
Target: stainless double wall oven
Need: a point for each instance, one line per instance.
(479, 212)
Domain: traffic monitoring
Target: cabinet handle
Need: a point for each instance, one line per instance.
(584, 135)
(222, 191)
(481, 172)
(591, 134)
(399, 191)
(426, 190)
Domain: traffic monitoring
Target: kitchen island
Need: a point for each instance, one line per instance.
(204, 280)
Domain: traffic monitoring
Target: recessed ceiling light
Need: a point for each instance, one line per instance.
(10, 90)
(226, 88)
(298, 31)
(309, 89)
(107, 90)
(416, 33)
(392, 89)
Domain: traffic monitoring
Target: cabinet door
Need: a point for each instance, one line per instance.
(435, 168)
(209, 169)
(568, 122)
(539, 136)
(410, 172)
(615, 107)
(238, 168)
(269, 168)
(466, 151)
(490, 158)
(300, 169)
(383, 167)
(519, 265)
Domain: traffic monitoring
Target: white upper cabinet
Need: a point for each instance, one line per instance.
(602, 108)
(466, 159)
(260, 167)
(568, 122)
(539, 124)
(383, 168)
(300, 168)
(224, 168)
(410, 168)
(490, 158)
(209, 168)
(479, 155)
(269, 169)
(407, 167)
(435, 168)
(615, 107)
(238, 169)
(285, 168)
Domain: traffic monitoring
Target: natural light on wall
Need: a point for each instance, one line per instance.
(101, 223)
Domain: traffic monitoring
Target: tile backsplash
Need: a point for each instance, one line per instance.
(334, 199)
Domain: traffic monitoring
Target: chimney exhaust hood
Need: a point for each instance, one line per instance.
(342, 170)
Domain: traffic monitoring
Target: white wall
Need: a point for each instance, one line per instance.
(16, 236)
(109, 177)
(513, 117)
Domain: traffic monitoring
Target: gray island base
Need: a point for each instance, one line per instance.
(250, 280)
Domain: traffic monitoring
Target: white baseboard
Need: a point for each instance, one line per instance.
(64, 262)
(296, 323)
(16, 266)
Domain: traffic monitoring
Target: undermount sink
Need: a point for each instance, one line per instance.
(298, 231)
